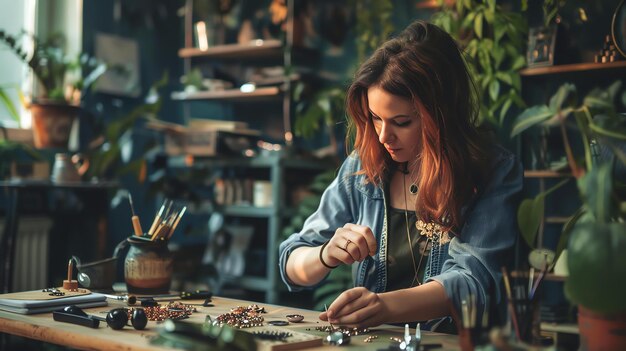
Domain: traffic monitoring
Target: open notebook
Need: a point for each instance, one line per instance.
(31, 302)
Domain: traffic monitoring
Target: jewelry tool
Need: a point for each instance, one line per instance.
(75, 315)
(326, 309)
(135, 218)
(130, 299)
(69, 284)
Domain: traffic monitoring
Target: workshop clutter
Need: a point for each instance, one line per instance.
(148, 266)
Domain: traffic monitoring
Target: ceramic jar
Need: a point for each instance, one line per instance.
(148, 266)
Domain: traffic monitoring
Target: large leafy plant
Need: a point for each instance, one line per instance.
(62, 78)
(107, 150)
(596, 234)
(494, 40)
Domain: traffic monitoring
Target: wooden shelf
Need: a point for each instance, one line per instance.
(427, 5)
(230, 94)
(566, 328)
(254, 50)
(545, 173)
(577, 67)
(549, 276)
(261, 161)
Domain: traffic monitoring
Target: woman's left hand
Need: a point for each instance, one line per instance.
(357, 307)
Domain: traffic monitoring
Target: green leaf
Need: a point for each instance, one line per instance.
(10, 106)
(478, 25)
(520, 61)
(505, 77)
(489, 16)
(596, 264)
(567, 230)
(494, 89)
(561, 96)
(505, 108)
(595, 187)
(531, 117)
(530, 214)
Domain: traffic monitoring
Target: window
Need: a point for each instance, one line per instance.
(42, 17)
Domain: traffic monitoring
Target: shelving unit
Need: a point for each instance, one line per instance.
(254, 50)
(545, 173)
(570, 68)
(278, 165)
(231, 95)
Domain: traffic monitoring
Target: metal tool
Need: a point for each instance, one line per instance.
(135, 219)
(130, 299)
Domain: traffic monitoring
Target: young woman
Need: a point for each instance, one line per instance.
(424, 208)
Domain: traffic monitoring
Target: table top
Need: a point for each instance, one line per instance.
(43, 327)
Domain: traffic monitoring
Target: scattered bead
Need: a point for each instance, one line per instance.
(344, 330)
(370, 338)
(242, 317)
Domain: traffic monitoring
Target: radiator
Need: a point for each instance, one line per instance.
(30, 268)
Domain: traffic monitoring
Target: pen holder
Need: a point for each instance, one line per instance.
(148, 266)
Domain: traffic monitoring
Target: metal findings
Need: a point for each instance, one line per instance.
(344, 330)
(243, 317)
(370, 338)
(295, 318)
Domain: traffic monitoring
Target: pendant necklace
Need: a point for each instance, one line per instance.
(412, 190)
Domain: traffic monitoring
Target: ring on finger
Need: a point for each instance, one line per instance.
(345, 247)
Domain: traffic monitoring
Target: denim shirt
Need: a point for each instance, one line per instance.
(469, 264)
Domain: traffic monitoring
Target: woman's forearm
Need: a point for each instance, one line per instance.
(422, 302)
(304, 267)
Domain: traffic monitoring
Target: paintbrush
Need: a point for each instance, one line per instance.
(178, 217)
(507, 287)
(157, 218)
(135, 218)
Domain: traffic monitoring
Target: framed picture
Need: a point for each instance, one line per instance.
(122, 53)
(541, 43)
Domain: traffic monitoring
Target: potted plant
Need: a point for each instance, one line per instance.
(61, 81)
(596, 235)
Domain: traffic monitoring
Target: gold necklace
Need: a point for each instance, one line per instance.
(408, 233)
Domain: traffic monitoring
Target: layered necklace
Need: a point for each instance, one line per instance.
(413, 190)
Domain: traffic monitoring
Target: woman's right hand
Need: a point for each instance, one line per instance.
(350, 244)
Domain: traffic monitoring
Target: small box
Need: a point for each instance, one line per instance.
(209, 142)
(205, 141)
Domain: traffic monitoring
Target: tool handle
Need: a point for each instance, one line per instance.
(196, 295)
(154, 225)
(61, 316)
(137, 226)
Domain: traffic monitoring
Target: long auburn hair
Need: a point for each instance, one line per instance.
(424, 65)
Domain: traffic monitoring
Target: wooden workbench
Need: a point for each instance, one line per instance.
(42, 327)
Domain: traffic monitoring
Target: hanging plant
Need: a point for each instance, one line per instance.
(493, 39)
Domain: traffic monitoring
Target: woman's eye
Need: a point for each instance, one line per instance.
(403, 124)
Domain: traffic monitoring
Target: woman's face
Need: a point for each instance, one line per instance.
(396, 122)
